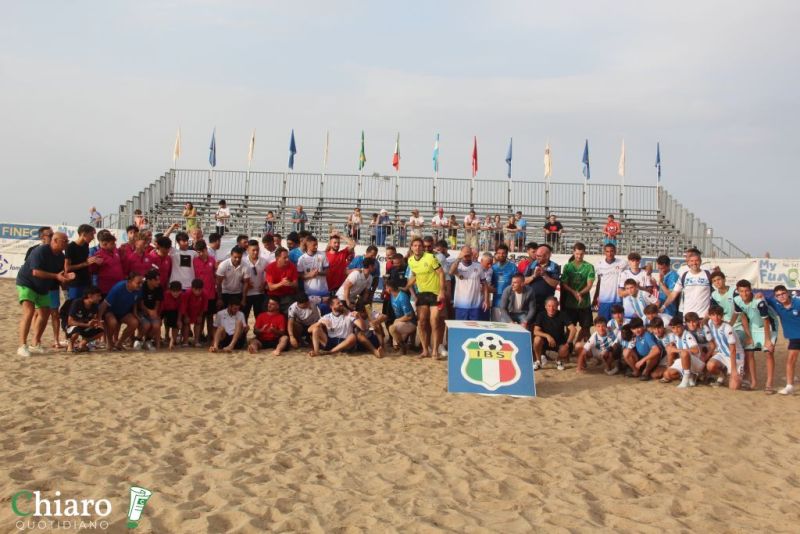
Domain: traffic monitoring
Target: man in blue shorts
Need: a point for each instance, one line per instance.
(119, 307)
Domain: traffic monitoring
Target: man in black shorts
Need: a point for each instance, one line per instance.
(577, 279)
(81, 322)
(552, 331)
(302, 314)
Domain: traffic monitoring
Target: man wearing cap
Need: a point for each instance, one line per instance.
(415, 223)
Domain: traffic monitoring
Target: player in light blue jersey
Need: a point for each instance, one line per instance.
(757, 331)
(723, 295)
(728, 354)
(787, 308)
(602, 346)
(635, 300)
(683, 356)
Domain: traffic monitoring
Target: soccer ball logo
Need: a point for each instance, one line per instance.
(489, 342)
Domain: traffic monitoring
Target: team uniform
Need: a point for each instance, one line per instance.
(725, 301)
(635, 305)
(686, 341)
(616, 328)
(670, 279)
(757, 313)
(425, 271)
(608, 275)
(468, 294)
(643, 280)
(577, 278)
(790, 320)
(338, 327)
(597, 344)
(723, 337)
(317, 286)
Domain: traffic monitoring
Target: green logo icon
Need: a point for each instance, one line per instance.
(139, 497)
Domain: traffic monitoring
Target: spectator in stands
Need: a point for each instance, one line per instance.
(189, 216)
(400, 232)
(354, 221)
(95, 218)
(416, 223)
(269, 223)
(373, 229)
(510, 232)
(438, 224)
(553, 230)
(518, 303)
(497, 231)
(472, 224)
(222, 217)
(522, 228)
(299, 219)
(383, 228)
(611, 231)
(452, 232)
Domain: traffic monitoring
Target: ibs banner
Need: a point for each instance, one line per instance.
(489, 358)
(16, 239)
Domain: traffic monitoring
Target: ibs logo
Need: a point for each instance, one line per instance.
(5, 265)
(490, 361)
(48, 514)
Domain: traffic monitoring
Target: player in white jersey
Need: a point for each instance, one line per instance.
(607, 272)
(603, 345)
(683, 356)
(312, 267)
(635, 300)
(695, 284)
(635, 272)
(757, 331)
(471, 295)
(617, 320)
(728, 354)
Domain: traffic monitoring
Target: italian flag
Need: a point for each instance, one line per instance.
(396, 155)
(490, 371)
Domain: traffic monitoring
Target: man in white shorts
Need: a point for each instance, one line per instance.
(726, 348)
(683, 350)
(603, 346)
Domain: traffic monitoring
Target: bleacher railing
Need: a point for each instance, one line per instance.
(650, 216)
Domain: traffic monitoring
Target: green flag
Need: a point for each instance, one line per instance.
(362, 157)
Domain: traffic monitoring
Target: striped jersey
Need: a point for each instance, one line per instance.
(685, 341)
(635, 305)
(602, 343)
(723, 337)
(702, 335)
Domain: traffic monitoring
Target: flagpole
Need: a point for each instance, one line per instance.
(324, 168)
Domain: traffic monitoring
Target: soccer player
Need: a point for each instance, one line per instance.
(577, 279)
(193, 307)
(427, 275)
(119, 307)
(642, 352)
(635, 301)
(182, 261)
(282, 279)
(270, 329)
(254, 266)
(788, 309)
(205, 268)
(334, 332)
(553, 331)
(602, 346)
(667, 278)
(338, 260)
(471, 295)
(726, 349)
(170, 313)
(404, 325)
(78, 261)
(723, 296)
(230, 280)
(683, 350)
(607, 272)
(756, 330)
(635, 272)
(302, 314)
(313, 267)
(694, 325)
(356, 289)
(231, 329)
(617, 320)
(108, 267)
(82, 324)
(149, 312)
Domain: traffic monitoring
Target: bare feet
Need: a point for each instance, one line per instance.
(276, 352)
(423, 355)
(212, 348)
(379, 352)
(313, 353)
(251, 349)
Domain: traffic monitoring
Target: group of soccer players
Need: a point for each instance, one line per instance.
(686, 325)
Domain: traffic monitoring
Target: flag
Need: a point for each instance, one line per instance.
(325, 154)
(508, 156)
(396, 155)
(436, 154)
(585, 160)
(176, 150)
(548, 162)
(362, 157)
(212, 154)
(658, 160)
(252, 148)
(475, 157)
(292, 150)
(621, 168)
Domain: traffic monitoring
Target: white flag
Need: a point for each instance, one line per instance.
(622, 160)
(548, 161)
(325, 153)
(252, 148)
(176, 150)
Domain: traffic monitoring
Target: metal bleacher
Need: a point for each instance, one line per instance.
(653, 222)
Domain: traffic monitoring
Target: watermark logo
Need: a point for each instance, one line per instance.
(490, 361)
(5, 265)
(139, 497)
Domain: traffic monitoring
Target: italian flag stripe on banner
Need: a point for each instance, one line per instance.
(490, 371)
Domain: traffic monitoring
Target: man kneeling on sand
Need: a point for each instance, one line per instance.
(270, 329)
(230, 328)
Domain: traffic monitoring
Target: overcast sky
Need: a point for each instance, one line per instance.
(94, 91)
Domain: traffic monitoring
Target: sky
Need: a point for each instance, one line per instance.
(94, 92)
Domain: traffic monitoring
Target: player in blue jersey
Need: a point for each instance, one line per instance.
(788, 309)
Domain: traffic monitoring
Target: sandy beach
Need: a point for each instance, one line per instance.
(243, 443)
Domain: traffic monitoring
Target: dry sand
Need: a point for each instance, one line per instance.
(245, 443)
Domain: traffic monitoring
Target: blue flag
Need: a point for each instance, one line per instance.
(212, 155)
(436, 154)
(658, 160)
(585, 161)
(508, 156)
(292, 150)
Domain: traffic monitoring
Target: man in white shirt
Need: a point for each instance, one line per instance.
(302, 315)
(231, 329)
(439, 222)
(230, 279)
(471, 225)
(254, 266)
(312, 267)
(635, 272)
(695, 284)
(471, 294)
(182, 262)
(608, 272)
(356, 288)
(415, 224)
(268, 248)
(334, 332)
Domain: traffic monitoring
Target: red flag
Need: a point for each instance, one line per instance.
(396, 155)
(475, 158)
